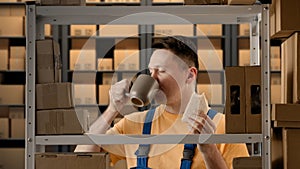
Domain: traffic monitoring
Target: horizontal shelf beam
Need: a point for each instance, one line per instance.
(223, 14)
(91, 139)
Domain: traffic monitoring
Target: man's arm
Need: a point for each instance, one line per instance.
(117, 101)
(212, 156)
(202, 124)
(100, 126)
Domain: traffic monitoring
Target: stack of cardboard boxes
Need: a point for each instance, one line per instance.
(284, 18)
(57, 114)
(72, 160)
(219, 2)
(285, 113)
(54, 99)
(12, 93)
(12, 25)
(243, 99)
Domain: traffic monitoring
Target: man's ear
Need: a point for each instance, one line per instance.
(192, 74)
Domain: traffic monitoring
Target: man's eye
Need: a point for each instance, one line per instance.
(161, 70)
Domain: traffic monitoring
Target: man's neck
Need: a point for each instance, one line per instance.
(179, 106)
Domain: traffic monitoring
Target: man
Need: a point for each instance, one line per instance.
(174, 64)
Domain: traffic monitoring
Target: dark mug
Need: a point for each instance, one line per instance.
(143, 90)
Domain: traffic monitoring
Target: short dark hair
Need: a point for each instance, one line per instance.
(181, 46)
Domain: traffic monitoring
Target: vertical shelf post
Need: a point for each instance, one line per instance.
(265, 65)
(30, 85)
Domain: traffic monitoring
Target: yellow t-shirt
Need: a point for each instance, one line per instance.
(165, 156)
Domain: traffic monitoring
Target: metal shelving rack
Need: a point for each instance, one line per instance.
(256, 15)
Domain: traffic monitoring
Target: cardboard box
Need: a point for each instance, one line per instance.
(54, 95)
(16, 112)
(17, 128)
(126, 59)
(157, 1)
(105, 64)
(104, 94)
(83, 30)
(275, 78)
(275, 64)
(65, 121)
(4, 111)
(17, 10)
(213, 92)
(291, 144)
(287, 71)
(286, 112)
(72, 160)
(109, 78)
(209, 29)
(4, 128)
(12, 94)
(127, 44)
(254, 162)
(4, 44)
(72, 2)
(118, 30)
(48, 61)
(284, 24)
(17, 64)
(290, 77)
(11, 26)
(244, 29)
(62, 121)
(81, 77)
(48, 2)
(210, 78)
(4, 10)
(3, 59)
(84, 59)
(235, 100)
(276, 148)
(253, 99)
(286, 124)
(85, 94)
(47, 30)
(79, 43)
(210, 59)
(203, 2)
(244, 57)
(296, 68)
(241, 2)
(275, 93)
(93, 0)
(17, 52)
(12, 158)
(167, 30)
(275, 52)
(62, 2)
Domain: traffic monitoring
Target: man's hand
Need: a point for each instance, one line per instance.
(117, 95)
(202, 124)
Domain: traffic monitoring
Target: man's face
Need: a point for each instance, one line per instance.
(171, 74)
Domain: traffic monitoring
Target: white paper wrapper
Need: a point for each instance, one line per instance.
(196, 104)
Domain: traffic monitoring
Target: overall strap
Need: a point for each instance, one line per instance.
(143, 150)
(189, 149)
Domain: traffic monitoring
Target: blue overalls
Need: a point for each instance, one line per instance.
(143, 150)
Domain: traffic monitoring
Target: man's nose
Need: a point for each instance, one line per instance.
(154, 74)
